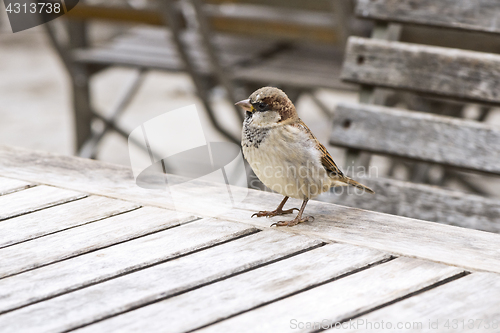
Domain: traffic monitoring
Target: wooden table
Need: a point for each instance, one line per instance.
(83, 249)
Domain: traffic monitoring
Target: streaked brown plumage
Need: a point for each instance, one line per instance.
(284, 153)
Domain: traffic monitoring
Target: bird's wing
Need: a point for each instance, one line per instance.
(326, 158)
(329, 164)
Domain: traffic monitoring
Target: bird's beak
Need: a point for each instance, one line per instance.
(245, 105)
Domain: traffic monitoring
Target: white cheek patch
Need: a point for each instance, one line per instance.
(265, 118)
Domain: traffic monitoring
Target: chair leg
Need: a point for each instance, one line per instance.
(82, 109)
(169, 11)
(79, 75)
(205, 32)
(89, 147)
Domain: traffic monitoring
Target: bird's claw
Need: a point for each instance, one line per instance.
(274, 212)
(293, 222)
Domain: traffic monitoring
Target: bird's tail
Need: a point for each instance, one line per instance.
(358, 185)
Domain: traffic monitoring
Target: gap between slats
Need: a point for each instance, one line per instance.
(17, 189)
(248, 232)
(300, 291)
(435, 285)
(197, 287)
(62, 202)
(103, 247)
(201, 285)
(76, 226)
(46, 205)
(283, 247)
(242, 272)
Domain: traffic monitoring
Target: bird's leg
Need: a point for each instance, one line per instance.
(298, 219)
(277, 211)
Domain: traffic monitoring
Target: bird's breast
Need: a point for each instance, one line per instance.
(254, 136)
(284, 158)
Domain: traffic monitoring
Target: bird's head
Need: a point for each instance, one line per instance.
(269, 105)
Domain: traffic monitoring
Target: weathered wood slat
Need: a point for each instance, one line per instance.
(265, 74)
(476, 15)
(8, 185)
(427, 69)
(424, 202)
(233, 52)
(130, 291)
(60, 217)
(272, 15)
(107, 57)
(301, 66)
(143, 46)
(421, 136)
(469, 304)
(275, 30)
(456, 246)
(340, 300)
(269, 28)
(36, 198)
(243, 292)
(75, 273)
(89, 237)
(319, 5)
(115, 13)
(432, 138)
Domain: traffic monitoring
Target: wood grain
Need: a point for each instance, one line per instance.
(435, 70)
(8, 185)
(455, 246)
(271, 27)
(340, 300)
(89, 237)
(306, 66)
(142, 287)
(115, 13)
(33, 199)
(476, 15)
(432, 138)
(469, 304)
(318, 5)
(60, 217)
(243, 292)
(94, 267)
(424, 202)
(153, 48)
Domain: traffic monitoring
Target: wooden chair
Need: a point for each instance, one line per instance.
(440, 73)
(140, 48)
(296, 45)
(312, 35)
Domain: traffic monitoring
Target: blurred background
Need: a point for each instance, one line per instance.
(79, 84)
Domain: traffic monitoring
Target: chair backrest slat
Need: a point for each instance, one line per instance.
(474, 15)
(445, 140)
(317, 5)
(434, 70)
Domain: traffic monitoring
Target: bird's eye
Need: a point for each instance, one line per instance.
(260, 106)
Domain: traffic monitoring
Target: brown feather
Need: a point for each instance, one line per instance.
(328, 163)
(278, 101)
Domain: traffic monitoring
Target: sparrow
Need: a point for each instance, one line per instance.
(285, 155)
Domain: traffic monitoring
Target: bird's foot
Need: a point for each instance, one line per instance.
(274, 212)
(293, 222)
